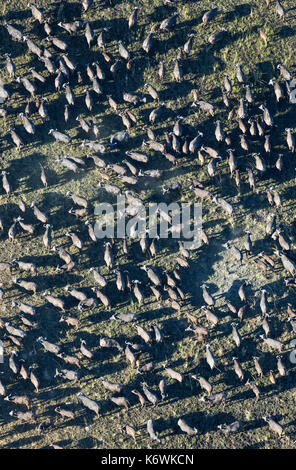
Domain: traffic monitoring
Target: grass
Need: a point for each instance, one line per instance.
(204, 70)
